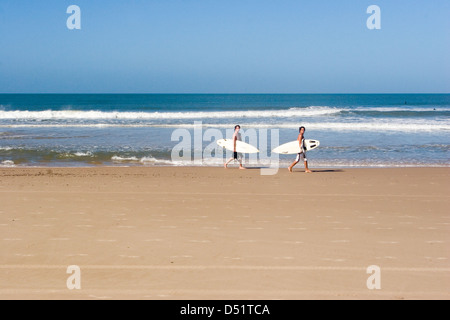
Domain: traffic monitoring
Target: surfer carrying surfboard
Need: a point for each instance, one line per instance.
(236, 155)
(302, 153)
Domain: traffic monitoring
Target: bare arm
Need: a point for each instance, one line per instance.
(300, 138)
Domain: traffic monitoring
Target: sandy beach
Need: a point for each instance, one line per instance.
(211, 233)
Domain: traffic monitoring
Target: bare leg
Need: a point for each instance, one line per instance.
(241, 167)
(226, 163)
(306, 168)
(292, 166)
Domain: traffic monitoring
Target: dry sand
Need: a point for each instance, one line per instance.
(211, 233)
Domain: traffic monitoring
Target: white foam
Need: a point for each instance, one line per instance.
(382, 125)
(119, 159)
(152, 160)
(311, 111)
(83, 154)
(391, 125)
(149, 160)
(100, 115)
(7, 163)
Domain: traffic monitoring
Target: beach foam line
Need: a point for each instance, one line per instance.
(145, 160)
(125, 159)
(7, 164)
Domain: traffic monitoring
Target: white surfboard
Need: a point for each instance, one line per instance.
(293, 147)
(241, 147)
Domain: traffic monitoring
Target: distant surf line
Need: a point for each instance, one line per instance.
(337, 126)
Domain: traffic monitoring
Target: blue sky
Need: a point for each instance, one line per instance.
(210, 46)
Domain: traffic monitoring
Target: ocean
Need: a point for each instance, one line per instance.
(355, 130)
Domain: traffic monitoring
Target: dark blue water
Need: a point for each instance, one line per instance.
(212, 102)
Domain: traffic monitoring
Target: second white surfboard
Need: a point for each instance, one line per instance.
(293, 147)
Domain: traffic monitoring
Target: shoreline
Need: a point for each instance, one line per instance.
(209, 233)
(231, 166)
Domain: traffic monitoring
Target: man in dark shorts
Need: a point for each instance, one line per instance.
(236, 155)
(302, 153)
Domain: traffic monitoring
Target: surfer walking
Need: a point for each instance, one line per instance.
(236, 155)
(302, 153)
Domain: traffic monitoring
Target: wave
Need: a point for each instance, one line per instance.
(116, 115)
(83, 154)
(123, 159)
(147, 160)
(7, 163)
(311, 111)
(402, 109)
(43, 155)
(417, 126)
(380, 126)
(398, 113)
(397, 126)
